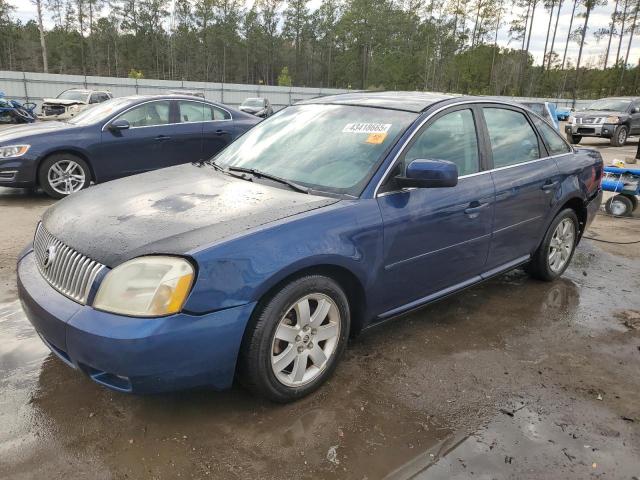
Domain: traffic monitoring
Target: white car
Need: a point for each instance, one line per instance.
(71, 102)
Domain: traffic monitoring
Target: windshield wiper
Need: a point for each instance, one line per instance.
(258, 173)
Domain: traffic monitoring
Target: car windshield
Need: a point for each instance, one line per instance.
(76, 95)
(100, 112)
(253, 102)
(610, 104)
(330, 148)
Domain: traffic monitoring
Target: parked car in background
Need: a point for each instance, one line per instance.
(120, 137)
(260, 107)
(615, 118)
(546, 110)
(13, 111)
(324, 219)
(192, 93)
(71, 102)
(563, 113)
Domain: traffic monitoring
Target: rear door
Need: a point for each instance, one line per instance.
(435, 238)
(218, 130)
(526, 181)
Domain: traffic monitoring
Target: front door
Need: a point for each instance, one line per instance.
(145, 145)
(435, 238)
(526, 182)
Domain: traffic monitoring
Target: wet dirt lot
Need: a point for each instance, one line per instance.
(510, 379)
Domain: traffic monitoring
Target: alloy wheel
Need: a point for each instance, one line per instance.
(305, 340)
(561, 245)
(66, 177)
(622, 136)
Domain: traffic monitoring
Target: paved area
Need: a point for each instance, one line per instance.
(511, 379)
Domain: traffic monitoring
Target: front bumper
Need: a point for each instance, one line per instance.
(605, 130)
(18, 172)
(139, 355)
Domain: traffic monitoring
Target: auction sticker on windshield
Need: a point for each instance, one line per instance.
(366, 128)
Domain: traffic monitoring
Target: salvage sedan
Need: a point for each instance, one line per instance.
(327, 218)
(116, 138)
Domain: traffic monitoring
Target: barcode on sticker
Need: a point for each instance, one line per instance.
(366, 128)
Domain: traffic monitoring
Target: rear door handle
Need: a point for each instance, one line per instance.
(221, 132)
(547, 187)
(475, 207)
(161, 138)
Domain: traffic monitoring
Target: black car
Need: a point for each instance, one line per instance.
(615, 118)
(116, 138)
(260, 107)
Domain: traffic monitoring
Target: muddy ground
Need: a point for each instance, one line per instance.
(511, 379)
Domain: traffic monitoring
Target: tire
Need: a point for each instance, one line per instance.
(541, 267)
(620, 136)
(573, 139)
(286, 382)
(55, 168)
(620, 206)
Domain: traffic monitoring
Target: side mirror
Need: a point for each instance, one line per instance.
(119, 124)
(429, 174)
(635, 110)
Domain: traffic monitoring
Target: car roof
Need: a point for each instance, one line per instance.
(408, 101)
(629, 99)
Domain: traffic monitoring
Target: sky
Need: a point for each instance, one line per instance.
(600, 18)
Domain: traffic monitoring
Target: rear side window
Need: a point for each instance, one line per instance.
(200, 112)
(512, 138)
(148, 114)
(451, 137)
(555, 144)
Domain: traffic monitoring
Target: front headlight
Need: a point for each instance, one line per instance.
(146, 287)
(571, 119)
(73, 108)
(12, 151)
(612, 119)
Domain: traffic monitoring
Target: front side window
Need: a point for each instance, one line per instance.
(512, 138)
(331, 148)
(148, 114)
(451, 137)
(555, 144)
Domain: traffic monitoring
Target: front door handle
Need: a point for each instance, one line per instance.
(475, 207)
(162, 138)
(547, 187)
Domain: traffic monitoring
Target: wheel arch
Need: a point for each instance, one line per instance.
(345, 277)
(72, 151)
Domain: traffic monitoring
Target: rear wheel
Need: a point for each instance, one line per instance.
(620, 135)
(620, 206)
(63, 174)
(296, 340)
(554, 254)
(573, 139)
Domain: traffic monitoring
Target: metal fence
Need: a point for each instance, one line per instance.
(33, 87)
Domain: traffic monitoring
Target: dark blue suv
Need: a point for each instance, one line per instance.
(116, 138)
(324, 219)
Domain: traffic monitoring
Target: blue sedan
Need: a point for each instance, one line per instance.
(119, 137)
(326, 218)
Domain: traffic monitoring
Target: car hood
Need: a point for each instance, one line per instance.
(597, 113)
(172, 211)
(20, 132)
(252, 109)
(60, 101)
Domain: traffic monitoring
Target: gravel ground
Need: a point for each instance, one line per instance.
(510, 379)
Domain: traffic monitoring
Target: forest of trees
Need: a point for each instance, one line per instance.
(436, 45)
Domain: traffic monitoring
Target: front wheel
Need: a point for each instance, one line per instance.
(620, 135)
(62, 174)
(553, 255)
(296, 339)
(573, 139)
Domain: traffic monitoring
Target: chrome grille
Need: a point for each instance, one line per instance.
(66, 270)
